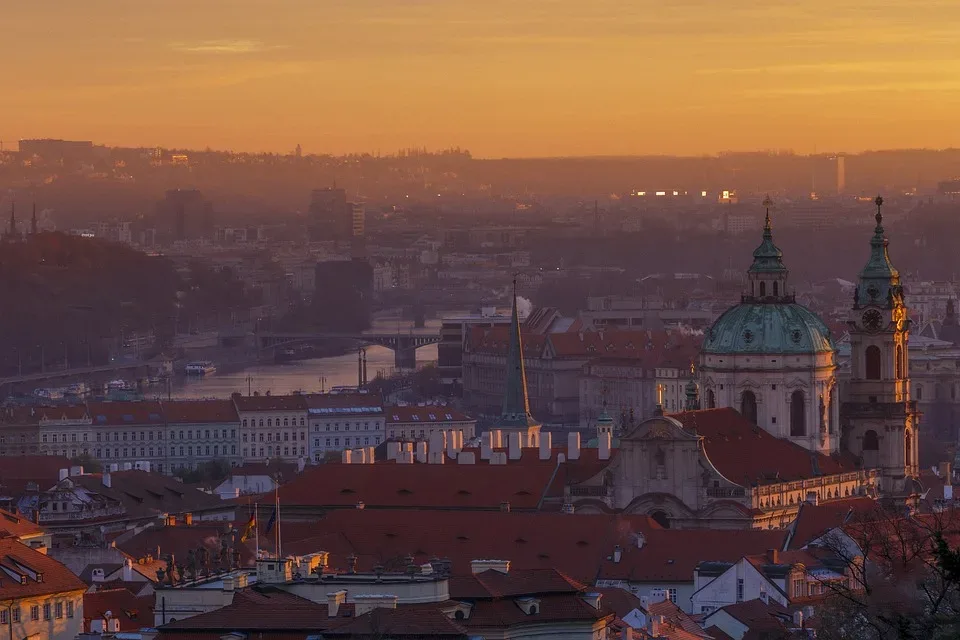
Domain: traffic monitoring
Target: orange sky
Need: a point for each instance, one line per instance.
(498, 77)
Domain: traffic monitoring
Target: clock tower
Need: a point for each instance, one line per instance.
(880, 420)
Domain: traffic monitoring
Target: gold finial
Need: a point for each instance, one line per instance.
(767, 203)
(693, 369)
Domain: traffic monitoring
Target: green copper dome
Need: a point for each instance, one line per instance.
(787, 328)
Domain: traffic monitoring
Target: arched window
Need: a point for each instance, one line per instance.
(661, 518)
(711, 400)
(900, 372)
(748, 406)
(776, 288)
(763, 289)
(872, 362)
(798, 414)
(908, 448)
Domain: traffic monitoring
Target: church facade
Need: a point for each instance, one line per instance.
(766, 430)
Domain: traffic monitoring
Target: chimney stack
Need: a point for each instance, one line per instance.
(334, 600)
(107, 480)
(421, 449)
(515, 450)
(346, 456)
(773, 556)
(64, 474)
(546, 446)
(573, 445)
(604, 445)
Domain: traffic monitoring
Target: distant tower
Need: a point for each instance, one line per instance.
(33, 221)
(692, 391)
(841, 175)
(12, 231)
(299, 151)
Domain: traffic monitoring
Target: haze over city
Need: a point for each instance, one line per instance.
(499, 77)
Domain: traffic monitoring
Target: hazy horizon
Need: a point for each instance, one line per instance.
(539, 79)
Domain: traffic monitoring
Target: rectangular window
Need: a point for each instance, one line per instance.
(59, 610)
(739, 589)
(15, 613)
(46, 611)
(35, 612)
(69, 608)
(3, 616)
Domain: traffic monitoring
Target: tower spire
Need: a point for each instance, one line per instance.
(879, 280)
(516, 404)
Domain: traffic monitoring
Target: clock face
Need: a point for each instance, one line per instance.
(872, 320)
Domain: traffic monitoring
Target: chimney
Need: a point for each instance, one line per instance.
(128, 570)
(486, 448)
(366, 603)
(64, 474)
(496, 439)
(640, 539)
(653, 625)
(406, 457)
(438, 441)
(546, 446)
(945, 471)
(573, 445)
(113, 624)
(114, 467)
(334, 600)
(128, 466)
(228, 583)
(617, 554)
(798, 619)
(453, 447)
(592, 599)
(498, 457)
(421, 450)
(466, 457)
(515, 451)
(479, 566)
(97, 626)
(773, 556)
(393, 450)
(346, 456)
(107, 480)
(765, 597)
(603, 446)
(76, 471)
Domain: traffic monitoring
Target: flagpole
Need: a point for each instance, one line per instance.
(256, 528)
(276, 497)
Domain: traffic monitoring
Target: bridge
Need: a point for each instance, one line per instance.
(403, 345)
(63, 374)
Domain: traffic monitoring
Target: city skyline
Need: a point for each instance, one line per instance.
(541, 79)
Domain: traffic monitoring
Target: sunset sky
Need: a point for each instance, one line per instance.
(498, 77)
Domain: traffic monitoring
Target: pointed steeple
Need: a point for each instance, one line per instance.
(879, 280)
(767, 258)
(33, 221)
(767, 275)
(516, 405)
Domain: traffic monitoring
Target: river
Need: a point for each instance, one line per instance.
(313, 375)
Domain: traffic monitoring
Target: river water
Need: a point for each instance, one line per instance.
(313, 375)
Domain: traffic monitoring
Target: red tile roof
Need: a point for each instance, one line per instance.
(758, 615)
(576, 545)
(717, 633)
(255, 610)
(495, 340)
(747, 455)
(144, 494)
(19, 559)
(669, 348)
(413, 621)
(17, 526)
(372, 403)
(179, 540)
(671, 555)
(286, 470)
(448, 486)
(294, 402)
(36, 468)
(561, 607)
(424, 415)
(813, 521)
(133, 612)
(675, 616)
(523, 582)
(200, 411)
(143, 412)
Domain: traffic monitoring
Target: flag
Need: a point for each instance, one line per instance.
(248, 529)
(272, 521)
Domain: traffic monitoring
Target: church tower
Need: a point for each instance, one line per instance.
(880, 418)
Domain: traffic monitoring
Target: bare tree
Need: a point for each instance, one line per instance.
(903, 578)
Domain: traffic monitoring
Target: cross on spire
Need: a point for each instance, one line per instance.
(879, 203)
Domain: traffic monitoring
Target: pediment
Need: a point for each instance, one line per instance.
(659, 428)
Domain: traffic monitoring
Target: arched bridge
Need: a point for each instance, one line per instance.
(404, 345)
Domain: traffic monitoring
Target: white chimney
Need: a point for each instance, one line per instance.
(366, 603)
(546, 446)
(76, 471)
(798, 619)
(107, 480)
(97, 626)
(97, 575)
(438, 441)
(346, 456)
(228, 584)
(496, 439)
(406, 457)
(516, 452)
(640, 539)
(653, 625)
(498, 457)
(466, 457)
(64, 474)
(334, 600)
(114, 467)
(421, 452)
(452, 445)
(603, 452)
(393, 450)
(617, 554)
(437, 457)
(459, 440)
(127, 466)
(128, 570)
(573, 445)
(113, 624)
(479, 566)
(486, 445)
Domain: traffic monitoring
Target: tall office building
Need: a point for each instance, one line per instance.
(331, 216)
(184, 214)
